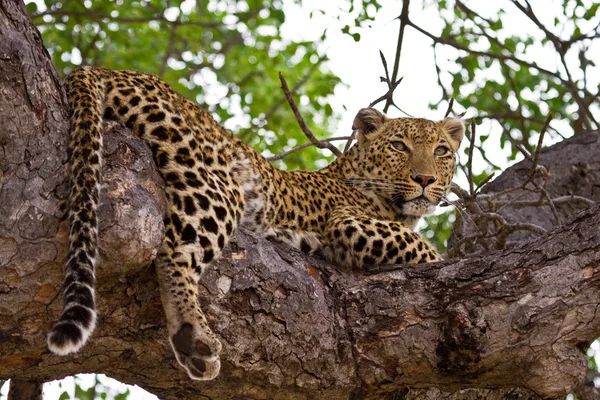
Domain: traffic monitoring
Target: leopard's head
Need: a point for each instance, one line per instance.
(408, 162)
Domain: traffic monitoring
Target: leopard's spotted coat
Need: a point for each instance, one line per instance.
(360, 210)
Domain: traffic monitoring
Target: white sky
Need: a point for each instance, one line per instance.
(358, 63)
(359, 66)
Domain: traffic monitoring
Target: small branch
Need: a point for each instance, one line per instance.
(561, 48)
(515, 116)
(438, 71)
(484, 182)
(393, 82)
(93, 16)
(544, 193)
(385, 68)
(462, 6)
(450, 105)
(322, 144)
(524, 151)
(349, 142)
(403, 23)
(303, 146)
(492, 231)
(389, 95)
(513, 86)
(242, 135)
(538, 148)
(169, 51)
(470, 160)
(556, 201)
(495, 56)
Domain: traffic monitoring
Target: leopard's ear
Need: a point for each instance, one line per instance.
(367, 122)
(455, 129)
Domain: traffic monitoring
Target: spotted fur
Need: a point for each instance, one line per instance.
(360, 210)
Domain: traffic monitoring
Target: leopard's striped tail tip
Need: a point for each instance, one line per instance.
(72, 331)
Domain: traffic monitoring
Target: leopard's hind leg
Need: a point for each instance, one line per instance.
(195, 345)
(195, 157)
(199, 224)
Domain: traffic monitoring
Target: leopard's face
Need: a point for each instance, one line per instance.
(409, 162)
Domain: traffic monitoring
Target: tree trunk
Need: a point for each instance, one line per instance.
(508, 323)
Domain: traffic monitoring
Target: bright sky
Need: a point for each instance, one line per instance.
(359, 66)
(358, 63)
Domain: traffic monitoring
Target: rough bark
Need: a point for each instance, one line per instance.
(508, 324)
(574, 170)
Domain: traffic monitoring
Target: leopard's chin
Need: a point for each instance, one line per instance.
(417, 207)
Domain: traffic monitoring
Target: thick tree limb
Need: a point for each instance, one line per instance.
(511, 322)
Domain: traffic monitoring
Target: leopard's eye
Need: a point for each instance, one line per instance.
(441, 151)
(399, 146)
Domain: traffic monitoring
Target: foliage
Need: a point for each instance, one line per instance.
(438, 227)
(89, 387)
(224, 54)
(501, 70)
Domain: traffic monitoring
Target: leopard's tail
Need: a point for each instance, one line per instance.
(85, 91)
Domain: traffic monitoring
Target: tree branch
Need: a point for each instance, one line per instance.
(321, 144)
(243, 134)
(303, 146)
(296, 325)
(507, 322)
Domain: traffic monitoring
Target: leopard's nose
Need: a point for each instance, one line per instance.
(424, 180)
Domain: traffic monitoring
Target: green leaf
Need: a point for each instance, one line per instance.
(32, 8)
(64, 396)
(591, 12)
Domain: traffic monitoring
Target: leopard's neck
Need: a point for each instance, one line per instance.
(345, 166)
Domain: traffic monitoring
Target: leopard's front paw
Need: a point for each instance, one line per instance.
(197, 349)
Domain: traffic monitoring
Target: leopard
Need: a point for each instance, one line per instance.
(360, 210)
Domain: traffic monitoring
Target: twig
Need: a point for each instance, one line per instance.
(450, 105)
(503, 57)
(470, 160)
(492, 229)
(393, 82)
(322, 144)
(515, 116)
(94, 15)
(279, 103)
(569, 199)
(438, 71)
(349, 142)
(544, 193)
(561, 49)
(385, 68)
(403, 22)
(536, 155)
(170, 47)
(303, 146)
(389, 95)
(524, 151)
(483, 182)
(470, 12)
